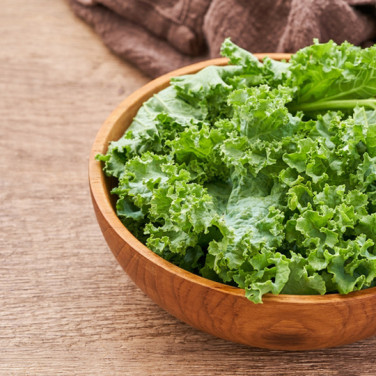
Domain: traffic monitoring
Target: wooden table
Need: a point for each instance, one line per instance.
(66, 307)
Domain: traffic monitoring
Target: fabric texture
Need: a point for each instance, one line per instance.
(161, 35)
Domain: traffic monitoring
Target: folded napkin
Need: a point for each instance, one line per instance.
(161, 35)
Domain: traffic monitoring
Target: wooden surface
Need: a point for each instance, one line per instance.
(66, 306)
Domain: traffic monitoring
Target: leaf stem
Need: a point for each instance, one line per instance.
(334, 105)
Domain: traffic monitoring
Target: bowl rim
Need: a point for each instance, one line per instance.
(100, 194)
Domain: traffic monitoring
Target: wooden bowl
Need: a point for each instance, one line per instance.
(286, 322)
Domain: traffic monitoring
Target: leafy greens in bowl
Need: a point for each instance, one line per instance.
(259, 175)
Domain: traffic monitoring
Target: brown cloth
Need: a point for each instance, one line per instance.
(161, 35)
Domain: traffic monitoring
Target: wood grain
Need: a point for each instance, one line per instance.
(66, 306)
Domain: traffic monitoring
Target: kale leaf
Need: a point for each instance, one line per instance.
(257, 174)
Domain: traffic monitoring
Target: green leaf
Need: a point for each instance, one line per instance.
(261, 112)
(329, 76)
(302, 279)
(251, 72)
